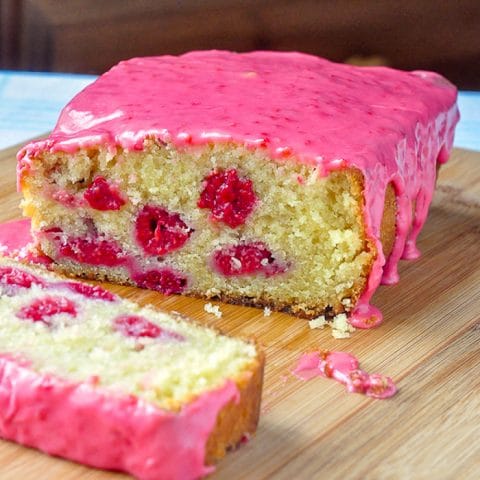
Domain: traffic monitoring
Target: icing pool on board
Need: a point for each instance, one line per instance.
(345, 369)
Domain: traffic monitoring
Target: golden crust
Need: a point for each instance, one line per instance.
(237, 421)
(388, 229)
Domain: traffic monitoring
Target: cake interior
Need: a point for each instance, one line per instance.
(158, 357)
(308, 230)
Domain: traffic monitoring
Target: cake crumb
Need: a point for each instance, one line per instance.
(347, 302)
(213, 309)
(267, 312)
(318, 322)
(341, 327)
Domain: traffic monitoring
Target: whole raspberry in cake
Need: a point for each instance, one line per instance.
(247, 259)
(165, 281)
(93, 251)
(102, 195)
(230, 198)
(159, 231)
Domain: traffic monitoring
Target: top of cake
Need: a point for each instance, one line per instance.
(291, 103)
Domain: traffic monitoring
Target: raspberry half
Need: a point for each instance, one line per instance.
(230, 198)
(41, 310)
(19, 278)
(102, 195)
(247, 259)
(136, 326)
(165, 281)
(159, 231)
(90, 291)
(92, 251)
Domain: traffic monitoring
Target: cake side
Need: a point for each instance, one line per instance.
(77, 360)
(305, 233)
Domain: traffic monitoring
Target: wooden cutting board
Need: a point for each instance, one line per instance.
(429, 344)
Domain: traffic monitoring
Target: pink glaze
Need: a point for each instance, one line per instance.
(366, 315)
(344, 368)
(231, 199)
(16, 241)
(14, 236)
(393, 126)
(87, 424)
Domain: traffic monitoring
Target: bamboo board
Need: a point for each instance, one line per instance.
(429, 344)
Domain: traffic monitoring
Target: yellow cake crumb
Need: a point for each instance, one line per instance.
(318, 322)
(340, 326)
(213, 309)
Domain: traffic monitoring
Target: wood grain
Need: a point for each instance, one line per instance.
(429, 343)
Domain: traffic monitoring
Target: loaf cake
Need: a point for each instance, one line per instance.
(271, 179)
(96, 379)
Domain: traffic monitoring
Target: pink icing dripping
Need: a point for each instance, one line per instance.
(344, 368)
(366, 315)
(393, 126)
(109, 431)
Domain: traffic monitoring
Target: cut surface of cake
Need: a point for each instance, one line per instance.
(271, 179)
(93, 378)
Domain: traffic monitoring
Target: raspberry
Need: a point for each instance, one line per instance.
(19, 278)
(159, 231)
(136, 326)
(40, 310)
(90, 291)
(92, 251)
(247, 259)
(230, 198)
(102, 195)
(165, 281)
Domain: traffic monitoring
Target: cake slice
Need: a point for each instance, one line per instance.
(99, 380)
(271, 179)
